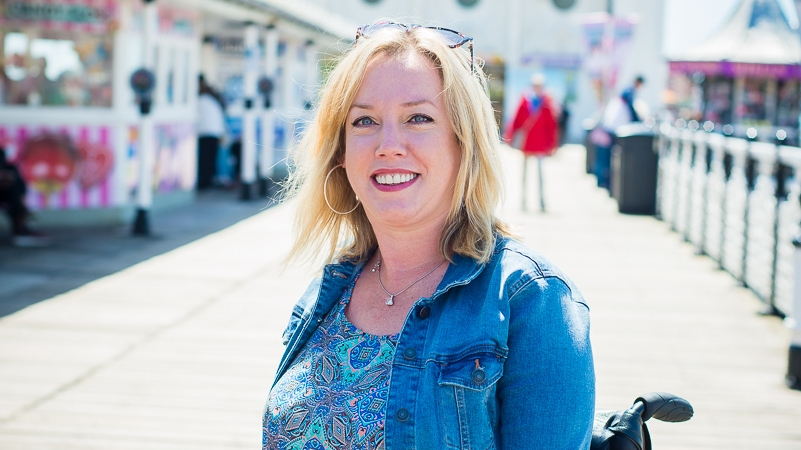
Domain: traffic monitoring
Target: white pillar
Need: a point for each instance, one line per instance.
(267, 161)
(312, 71)
(144, 191)
(289, 88)
(289, 85)
(249, 115)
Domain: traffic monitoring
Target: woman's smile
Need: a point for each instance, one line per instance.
(394, 181)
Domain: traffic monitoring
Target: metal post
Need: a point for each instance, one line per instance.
(267, 156)
(144, 191)
(793, 321)
(249, 115)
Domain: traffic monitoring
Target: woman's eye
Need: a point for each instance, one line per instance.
(420, 118)
(363, 122)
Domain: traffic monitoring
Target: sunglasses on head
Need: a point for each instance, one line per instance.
(453, 38)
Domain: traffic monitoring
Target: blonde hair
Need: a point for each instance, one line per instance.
(471, 224)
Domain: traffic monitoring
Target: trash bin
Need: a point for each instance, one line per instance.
(633, 170)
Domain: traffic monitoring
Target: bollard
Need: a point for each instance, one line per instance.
(793, 321)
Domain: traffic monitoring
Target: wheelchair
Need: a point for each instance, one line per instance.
(626, 430)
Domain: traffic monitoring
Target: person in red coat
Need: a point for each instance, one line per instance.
(536, 120)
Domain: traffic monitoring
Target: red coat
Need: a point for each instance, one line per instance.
(538, 125)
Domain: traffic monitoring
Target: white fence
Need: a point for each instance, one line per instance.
(738, 202)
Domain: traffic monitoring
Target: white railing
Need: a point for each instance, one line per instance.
(733, 258)
(789, 215)
(715, 207)
(737, 201)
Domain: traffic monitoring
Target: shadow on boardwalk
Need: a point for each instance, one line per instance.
(178, 352)
(83, 254)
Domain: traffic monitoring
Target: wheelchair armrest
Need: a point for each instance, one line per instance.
(665, 407)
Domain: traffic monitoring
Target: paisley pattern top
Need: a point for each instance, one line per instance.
(334, 394)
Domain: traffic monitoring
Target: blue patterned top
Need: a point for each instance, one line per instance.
(334, 394)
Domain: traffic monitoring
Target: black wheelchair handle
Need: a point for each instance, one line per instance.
(663, 406)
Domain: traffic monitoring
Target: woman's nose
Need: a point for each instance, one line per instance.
(392, 142)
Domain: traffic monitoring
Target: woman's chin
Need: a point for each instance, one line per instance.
(405, 217)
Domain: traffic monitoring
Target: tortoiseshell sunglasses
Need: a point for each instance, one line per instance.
(454, 38)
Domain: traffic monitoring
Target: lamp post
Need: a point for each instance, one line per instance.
(143, 82)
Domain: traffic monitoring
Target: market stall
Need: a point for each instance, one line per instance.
(746, 75)
(70, 119)
(67, 114)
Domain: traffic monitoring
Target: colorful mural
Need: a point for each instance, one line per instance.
(65, 167)
(94, 16)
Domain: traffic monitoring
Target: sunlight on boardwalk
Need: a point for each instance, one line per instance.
(179, 351)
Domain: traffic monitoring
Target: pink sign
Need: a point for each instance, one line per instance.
(94, 16)
(606, 40)
(65, 167)
(736, 69)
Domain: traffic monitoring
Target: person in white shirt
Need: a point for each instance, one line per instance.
(619, 111)
(210, 130)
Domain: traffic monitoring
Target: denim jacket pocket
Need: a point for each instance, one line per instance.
(467, 400)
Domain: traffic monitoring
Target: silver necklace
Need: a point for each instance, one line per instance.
(389, 301)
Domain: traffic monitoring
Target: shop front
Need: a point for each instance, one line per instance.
(746, 76)
(70, 120)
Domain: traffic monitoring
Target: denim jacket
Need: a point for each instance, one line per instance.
(498, 357)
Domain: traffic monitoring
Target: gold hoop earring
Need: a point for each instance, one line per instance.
(325, 195)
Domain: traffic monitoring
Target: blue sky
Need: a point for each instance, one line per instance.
(689, 22)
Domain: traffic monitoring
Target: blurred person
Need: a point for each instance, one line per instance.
(210, 131)
(619, 111)
(536, 120)
(431, 327)
(12, 201)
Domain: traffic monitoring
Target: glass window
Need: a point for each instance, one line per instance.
(787, 105)
(753, 106)
(55, 68)
(718, 100)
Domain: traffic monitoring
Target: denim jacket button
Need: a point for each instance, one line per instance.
(402, 414)
(410, 353)
(478, 376)
(424, 312)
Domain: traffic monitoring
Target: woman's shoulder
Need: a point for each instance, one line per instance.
(519, 265)
(511, 252)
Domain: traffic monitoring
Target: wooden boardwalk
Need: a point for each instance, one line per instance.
(178, 352)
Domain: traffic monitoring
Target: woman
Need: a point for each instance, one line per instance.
(435, 329)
